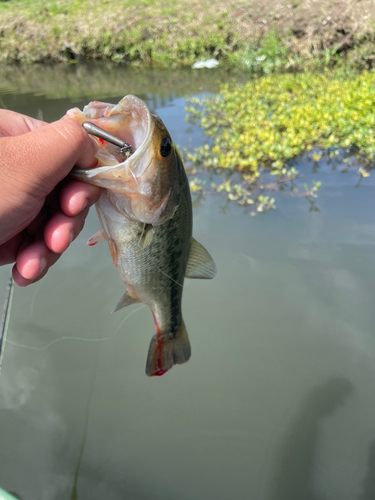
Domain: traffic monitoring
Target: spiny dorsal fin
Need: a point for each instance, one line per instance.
(126, 300)
(200, 263)
(146, 238)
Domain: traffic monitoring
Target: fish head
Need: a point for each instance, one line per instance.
(144, 186)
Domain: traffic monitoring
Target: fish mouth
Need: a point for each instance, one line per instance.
(131, 121)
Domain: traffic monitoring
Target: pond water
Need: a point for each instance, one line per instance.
(278, 399)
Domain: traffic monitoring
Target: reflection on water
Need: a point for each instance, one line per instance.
(101, 80)
(277, 401)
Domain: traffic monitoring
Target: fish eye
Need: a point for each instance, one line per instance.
(165, 147)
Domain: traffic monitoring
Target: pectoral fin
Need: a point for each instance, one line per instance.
(200, 264)
(145, 239)
(126, 300)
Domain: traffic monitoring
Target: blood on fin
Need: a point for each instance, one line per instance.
(166, 350)
(95, 238)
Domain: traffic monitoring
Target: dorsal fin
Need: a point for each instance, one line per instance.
(200, 264)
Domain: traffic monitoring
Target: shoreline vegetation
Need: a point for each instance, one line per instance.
(266, 37)
(316, 95)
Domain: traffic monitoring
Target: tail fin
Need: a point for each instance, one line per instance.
(164, 352)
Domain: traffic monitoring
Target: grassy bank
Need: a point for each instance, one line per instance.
(273, 36)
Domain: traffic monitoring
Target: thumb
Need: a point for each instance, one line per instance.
(33, 163)
(37, 161)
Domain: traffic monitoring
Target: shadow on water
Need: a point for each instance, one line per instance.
(297, 458)
(368, 490)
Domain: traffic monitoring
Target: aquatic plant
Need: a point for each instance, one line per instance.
(260, 127)
(270, 120)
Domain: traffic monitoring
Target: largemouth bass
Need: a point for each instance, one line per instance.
(145, 213)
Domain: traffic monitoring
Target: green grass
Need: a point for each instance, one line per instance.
(263, 38)
(146, 33)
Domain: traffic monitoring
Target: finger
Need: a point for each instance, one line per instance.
(32, 164)
(12, 123)
(75, 196)
(37, 161)
(8, 250)
(36, 227)
(61, 230)
(21, 281)
(32, 261)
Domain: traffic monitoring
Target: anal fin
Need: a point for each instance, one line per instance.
(126, 300)
(200, 264)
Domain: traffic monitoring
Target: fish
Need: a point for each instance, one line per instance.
(145, 215)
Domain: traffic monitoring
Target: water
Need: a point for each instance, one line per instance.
(277, 401)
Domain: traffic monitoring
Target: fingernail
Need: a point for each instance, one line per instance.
(33, 268)
(71, 236)
(75, 206)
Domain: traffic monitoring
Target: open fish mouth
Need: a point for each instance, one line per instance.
(143, 185)
(130, 120)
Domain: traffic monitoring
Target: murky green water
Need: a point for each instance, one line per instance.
(278, 399)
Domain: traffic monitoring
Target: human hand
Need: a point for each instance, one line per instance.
(41, 211)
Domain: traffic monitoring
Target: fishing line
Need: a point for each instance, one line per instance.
(55, 341)
(32, 304)
(144, 207)
(6, 316)
(167, 275)
(74, 494)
